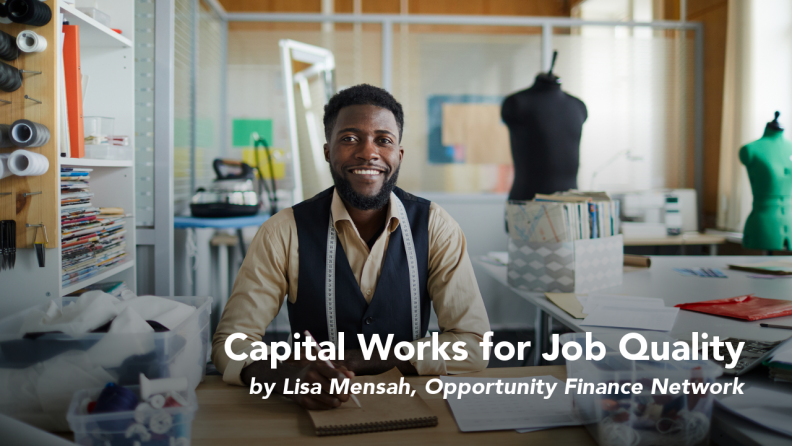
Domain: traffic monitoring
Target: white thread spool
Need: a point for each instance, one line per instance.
(25, 163)
(4, 172)
(30, 42)
(151, 387)
(160, 422)
(157, 401)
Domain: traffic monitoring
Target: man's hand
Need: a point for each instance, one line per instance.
(307, 372)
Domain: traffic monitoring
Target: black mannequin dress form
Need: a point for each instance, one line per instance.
(544, 128)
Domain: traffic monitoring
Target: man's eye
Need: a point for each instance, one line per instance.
(348, 138)
(385, 141)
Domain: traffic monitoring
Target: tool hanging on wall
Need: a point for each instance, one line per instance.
(10, 78)
(8, 47)
(39, 244)
(7, 244)
(28, 12)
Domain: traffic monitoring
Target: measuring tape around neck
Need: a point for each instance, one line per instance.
(412, 266)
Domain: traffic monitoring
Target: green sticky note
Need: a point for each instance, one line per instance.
(243, 128)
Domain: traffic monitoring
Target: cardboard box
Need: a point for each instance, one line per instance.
(568, 267)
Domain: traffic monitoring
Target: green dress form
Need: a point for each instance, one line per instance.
(769, 164)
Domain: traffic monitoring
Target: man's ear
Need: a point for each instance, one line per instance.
(327, 152)
(401, 153)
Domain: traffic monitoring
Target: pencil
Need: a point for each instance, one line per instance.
(787, 327)
(330, 364)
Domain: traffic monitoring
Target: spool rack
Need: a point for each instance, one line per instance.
(40, 208)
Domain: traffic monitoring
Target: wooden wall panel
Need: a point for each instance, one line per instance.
(42, 208)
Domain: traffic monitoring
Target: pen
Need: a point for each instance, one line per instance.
(330, 364)
(786, 327)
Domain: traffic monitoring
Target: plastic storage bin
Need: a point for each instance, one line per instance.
(641, 419)
(60, 361)
(172, 426)
(98, 129)
(108, 152)
(99, 16)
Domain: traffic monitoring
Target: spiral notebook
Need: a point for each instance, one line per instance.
(377, 412)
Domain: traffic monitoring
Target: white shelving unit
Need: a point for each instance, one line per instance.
(107, 58)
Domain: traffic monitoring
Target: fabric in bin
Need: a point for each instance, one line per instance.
(748, 307)
(39, 394)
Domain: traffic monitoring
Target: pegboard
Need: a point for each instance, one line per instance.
(41, 208)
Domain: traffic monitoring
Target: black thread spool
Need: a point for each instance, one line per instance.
(25, 133)
(28, 12)
(10, 78)
(8, 47)
(5, 136)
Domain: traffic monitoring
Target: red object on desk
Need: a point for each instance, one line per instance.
(749, 307)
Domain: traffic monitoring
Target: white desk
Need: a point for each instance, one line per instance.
(661, 281)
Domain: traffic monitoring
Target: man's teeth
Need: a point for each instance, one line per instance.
(366, 172)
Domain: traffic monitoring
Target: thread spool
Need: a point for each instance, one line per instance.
(5, 136)
(115, 399)
(28, 12)
(4, 15)
(4, 172)
(161, 422)
(154, 386)
(8, 47)
(10, 78)
(25, 163)
(25, 133)
(30, 42)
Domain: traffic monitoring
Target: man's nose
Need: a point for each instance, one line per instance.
(368, 151)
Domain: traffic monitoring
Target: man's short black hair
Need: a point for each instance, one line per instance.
(363, 94)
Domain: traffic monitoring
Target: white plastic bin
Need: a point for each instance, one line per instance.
(121, 428)
(38, 377)
(641, 419)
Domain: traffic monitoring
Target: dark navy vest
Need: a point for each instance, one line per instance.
(389, 311)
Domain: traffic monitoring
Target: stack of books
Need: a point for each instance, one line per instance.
(564, 217)
(90, 241)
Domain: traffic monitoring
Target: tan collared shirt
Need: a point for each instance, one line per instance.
(269, 274)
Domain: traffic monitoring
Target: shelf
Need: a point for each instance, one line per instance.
(97, 278)
(93, 33)
(89, 162)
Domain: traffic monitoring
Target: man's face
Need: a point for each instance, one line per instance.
(364, 155)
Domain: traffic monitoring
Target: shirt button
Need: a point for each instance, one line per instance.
(368, 292)
(369, 320)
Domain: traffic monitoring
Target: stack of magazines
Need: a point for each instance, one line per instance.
(91, 242)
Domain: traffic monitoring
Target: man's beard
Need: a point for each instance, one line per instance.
(360, 201)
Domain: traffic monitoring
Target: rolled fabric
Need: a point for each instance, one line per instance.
(25, 163)
(4, 172)
(26, 133)
(30, 42)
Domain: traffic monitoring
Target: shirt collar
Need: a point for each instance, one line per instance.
(340, 213)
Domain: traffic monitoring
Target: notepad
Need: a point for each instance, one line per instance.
(643, 313)
(776, 267)
(377, 412)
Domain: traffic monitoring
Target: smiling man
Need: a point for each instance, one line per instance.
(363, 257)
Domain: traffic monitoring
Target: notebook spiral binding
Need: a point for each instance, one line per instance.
(363, 428)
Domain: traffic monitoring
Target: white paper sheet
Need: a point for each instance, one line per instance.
(643, 313)
(520, 411)
(767, 408)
